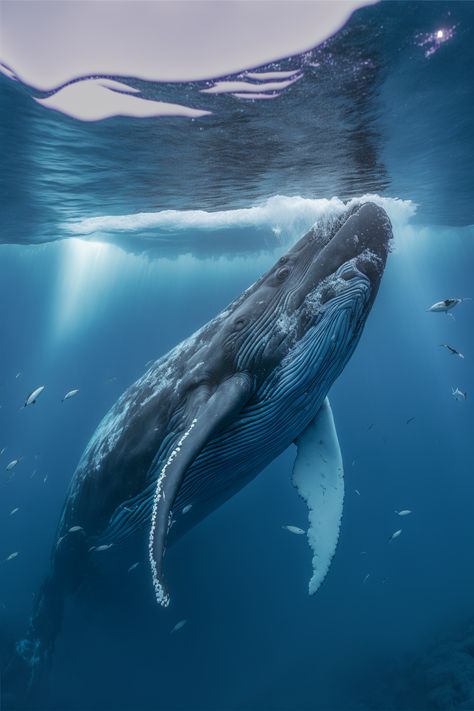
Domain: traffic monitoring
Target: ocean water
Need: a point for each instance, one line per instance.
(122, 236)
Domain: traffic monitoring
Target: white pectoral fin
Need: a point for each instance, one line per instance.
(319, 477)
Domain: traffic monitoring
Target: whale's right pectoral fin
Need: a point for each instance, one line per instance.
(319, 477)
(211, 415)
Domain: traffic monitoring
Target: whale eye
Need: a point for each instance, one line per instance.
(282, 273)
(239, 323)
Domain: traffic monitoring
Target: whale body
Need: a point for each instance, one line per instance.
(211, 414)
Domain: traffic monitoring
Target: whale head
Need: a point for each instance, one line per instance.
(316, 297)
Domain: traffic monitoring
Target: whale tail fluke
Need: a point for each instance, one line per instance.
(27, 667)
(26, 671)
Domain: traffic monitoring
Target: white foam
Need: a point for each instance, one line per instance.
(48, 44)
(97, 99)
(253, 97)
(269, 76)
(285, 218)
(230, 87)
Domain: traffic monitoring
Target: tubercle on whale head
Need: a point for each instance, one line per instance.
(346, 256)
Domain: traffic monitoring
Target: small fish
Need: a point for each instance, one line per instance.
(13, 511)
(458, 394)
(452, 350)
(410, 419)
(18, 375)
(178, 626)
(33, 396)
(357, 492)
(103, 547)
(45, 479)
(445, 305)
(395, 535)
(70, 394)
(403, 512)
(3, 450)
(12, 555)
(295, 529)
(73, 529)
(187, 508)
(353, 462)
(363, 553)
(370, 426)
(366, 578)
(133, 566)
(11, 465)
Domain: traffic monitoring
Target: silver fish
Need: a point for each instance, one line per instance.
(70, 394)
(295, 529)
(33, 396)
(178, 626)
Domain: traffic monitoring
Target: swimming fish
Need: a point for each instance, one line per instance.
(11, 465)
(3, 449)
(452, 350)
(33, 396)
(70, 394)
(103, 547)
(459, 394)
(366, 578)
(178, 626)
(132, 567)
(187, 508)
(395, 535)
(294, 529)
(403, 512)
(13, 511)
(45, 479)
(357, 492)
(73, 529)
(12, 555)
(410, 419)
(445, 305)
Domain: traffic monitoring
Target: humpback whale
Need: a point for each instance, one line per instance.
(209, 415)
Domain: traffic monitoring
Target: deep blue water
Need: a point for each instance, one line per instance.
(375, 116)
